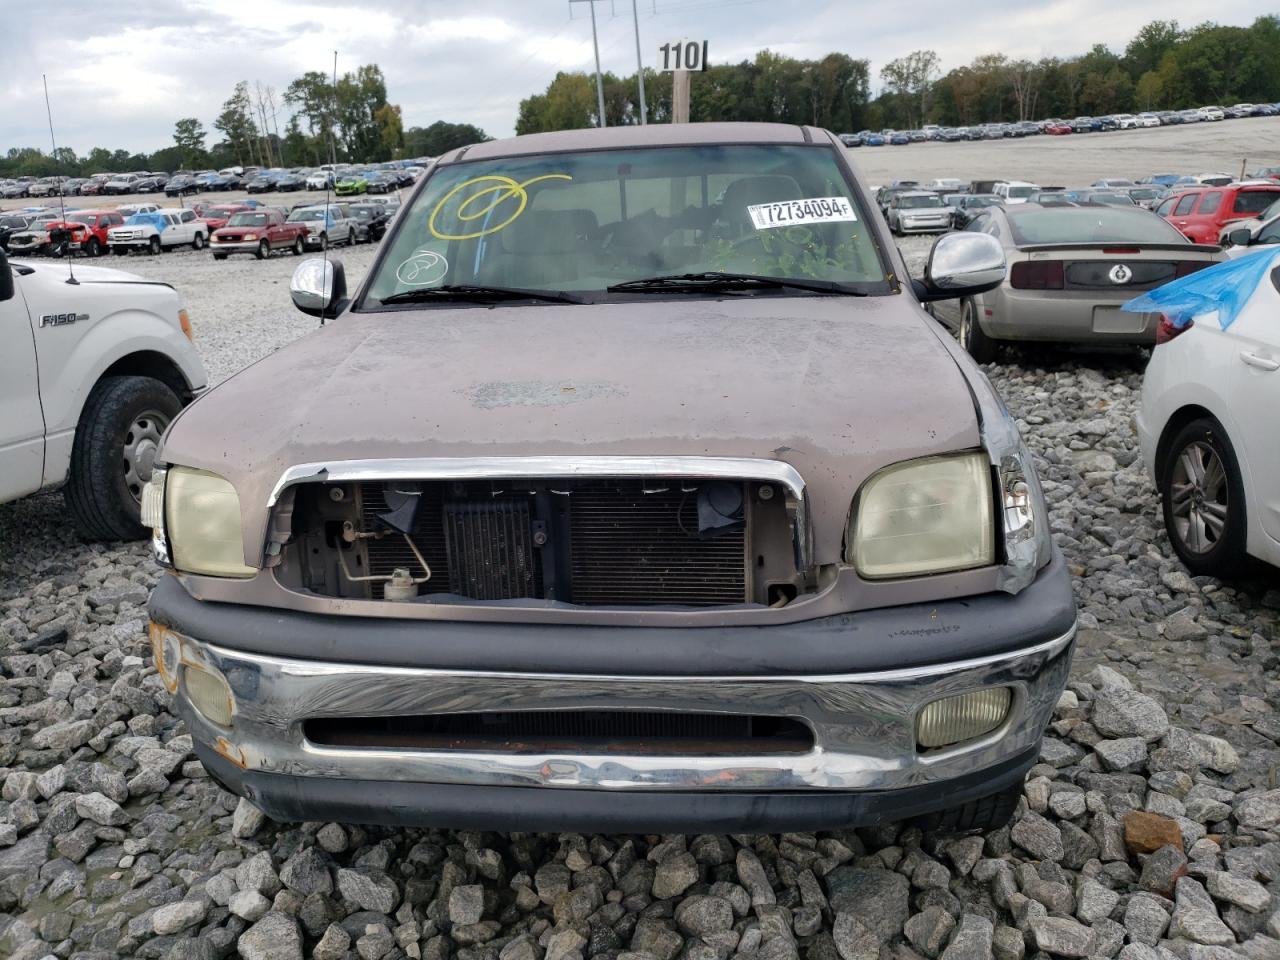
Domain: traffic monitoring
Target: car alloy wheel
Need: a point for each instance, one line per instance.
(1199, 497)
(141, 441)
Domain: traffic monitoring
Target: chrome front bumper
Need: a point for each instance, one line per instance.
(235, 246)
(863, 723)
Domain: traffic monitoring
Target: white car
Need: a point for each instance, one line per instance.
(946, 185)
(1127, 121)
(334, 227)
(1148, 120)
(1014, 191)
(129, 209)
(1212, 113)
(319, 180)
(920, 211)
(1207, 426)
(159, 230)
(91, 375)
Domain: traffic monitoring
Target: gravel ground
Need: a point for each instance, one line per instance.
(1149, 831)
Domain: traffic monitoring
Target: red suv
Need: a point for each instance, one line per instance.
(1201, 214)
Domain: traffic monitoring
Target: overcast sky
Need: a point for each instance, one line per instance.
(122, 71)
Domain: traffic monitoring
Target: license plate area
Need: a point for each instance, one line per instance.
(1115, 320)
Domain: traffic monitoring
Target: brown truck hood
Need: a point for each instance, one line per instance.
(835, 386)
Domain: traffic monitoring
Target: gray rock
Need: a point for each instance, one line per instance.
(1200, 926)
(52, 782)
(655, 938)
(368, 890)
(1161, 871)
(1127, 754)
(1146, 918)
(1259, 812)
(1008, 944)
(332, 838)
(879, 897)
(854, 938)
(701, 916)
(1248, 895)
(275, 937)
(752, 876)
(307, 872)
(1094, 901)
(466, 904)
(64, 737)
(258, 873)
(674, 875)
(1119, 713)
(1038, 836)
(173, 917)
(247, 820)
(249, 904)
(929, 930)
(565, 944)
(101, 809)
(1062, 937)
(970, 940)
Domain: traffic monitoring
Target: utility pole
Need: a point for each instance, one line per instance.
(635, 17)
(680, 96)
(595, 42)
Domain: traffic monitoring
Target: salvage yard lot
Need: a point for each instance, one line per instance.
(158, 850)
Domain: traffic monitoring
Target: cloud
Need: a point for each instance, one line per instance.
(122, 71)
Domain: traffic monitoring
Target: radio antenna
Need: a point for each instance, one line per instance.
(333, 172)
(58, 181)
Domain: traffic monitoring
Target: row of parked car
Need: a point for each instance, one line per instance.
(379, 178)
(1057, 126)
(1206, 208)
(245, 226)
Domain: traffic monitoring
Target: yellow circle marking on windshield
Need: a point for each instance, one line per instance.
(504, 189)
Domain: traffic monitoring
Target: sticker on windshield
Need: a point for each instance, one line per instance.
(790, 213)
(422, 269)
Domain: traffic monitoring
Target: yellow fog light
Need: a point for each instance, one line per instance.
(166, 651)
(209, 693)
(964, 717)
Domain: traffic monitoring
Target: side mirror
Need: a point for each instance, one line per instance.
(960, 265)
(1239, 238)
(6, 279)
(319, 287)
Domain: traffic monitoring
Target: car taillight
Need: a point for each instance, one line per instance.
(1188, 267)
(1036, 275)
(1166, 331)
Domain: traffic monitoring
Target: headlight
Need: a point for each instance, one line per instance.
(250, 236)
(202, 523)
(924, 516)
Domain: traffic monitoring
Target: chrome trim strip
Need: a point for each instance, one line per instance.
(480, 468)
(316, 668)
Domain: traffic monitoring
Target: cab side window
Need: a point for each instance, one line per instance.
(188, 216)
(1166, 207)
(1184, 205)
(1210, 202)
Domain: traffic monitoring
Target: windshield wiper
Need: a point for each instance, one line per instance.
(468, 291)
(712, 279)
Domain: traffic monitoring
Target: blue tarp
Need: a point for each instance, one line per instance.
(154, 219)
(1225, 287)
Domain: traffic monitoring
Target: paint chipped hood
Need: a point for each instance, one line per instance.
(838, 387)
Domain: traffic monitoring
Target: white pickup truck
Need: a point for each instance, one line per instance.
(91, 375)
(159, 230)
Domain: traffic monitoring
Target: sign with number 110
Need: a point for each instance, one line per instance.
(684, 55)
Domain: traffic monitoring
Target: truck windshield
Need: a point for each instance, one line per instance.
(594, 219)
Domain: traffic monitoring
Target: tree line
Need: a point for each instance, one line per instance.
(311, 122)
(1162, 67)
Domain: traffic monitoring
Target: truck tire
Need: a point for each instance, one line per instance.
(297, 247)
(94, 247)
(113, 452)
(263, 251)
(153, 246)
(985, 813)
(197, 242)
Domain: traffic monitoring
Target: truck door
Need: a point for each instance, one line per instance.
(21, 419)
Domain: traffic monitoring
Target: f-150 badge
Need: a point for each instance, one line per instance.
(61, 319)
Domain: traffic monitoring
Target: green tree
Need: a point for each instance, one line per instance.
(237, 125)
(188, 137)
(441, 137)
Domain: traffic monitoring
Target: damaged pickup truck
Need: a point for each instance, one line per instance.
(633, 489)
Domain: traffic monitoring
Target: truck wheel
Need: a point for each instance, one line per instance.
(113, 454)
(264, 249)
(324, 241)
(153, 247)
(971, 335)
(197, 242)
(298, 246)
(94, 247)
(985, 813)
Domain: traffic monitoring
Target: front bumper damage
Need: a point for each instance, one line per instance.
(863, 766)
